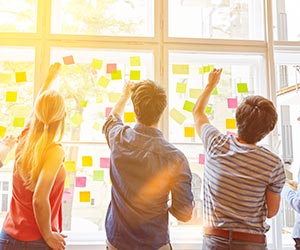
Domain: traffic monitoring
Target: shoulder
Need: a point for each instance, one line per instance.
(55, 151)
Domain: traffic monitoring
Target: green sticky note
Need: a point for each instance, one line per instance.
(195, 93)
(2, 131)
(98, 175)
(135, 61)
(208, 110)
(77, 119)
(11, 96)
(87, 161)
(21, 77)
(19, 122)
(181, 88)
(188, 106)
(242, 87)
(96, 63)
(135, 75)
(215, 91)
(177, 116)
(180, 69)
(116, 75)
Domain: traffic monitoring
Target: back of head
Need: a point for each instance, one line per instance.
(256, 117)
(149, 102)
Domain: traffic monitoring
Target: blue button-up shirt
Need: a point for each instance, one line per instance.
(144, 169)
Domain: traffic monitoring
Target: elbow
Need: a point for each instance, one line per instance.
(38, 203)
(271, 213)
(184, 214)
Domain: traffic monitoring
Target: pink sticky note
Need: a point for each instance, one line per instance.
(67, 196)
(80, 181)
(232, 103)
(230, 133)
(110, 67)
(201, 158)
(104, 162)
(68, 60)
(107, 111)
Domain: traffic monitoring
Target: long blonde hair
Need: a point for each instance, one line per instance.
(46, 127)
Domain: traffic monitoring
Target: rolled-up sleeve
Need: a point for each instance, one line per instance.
(111, 122)
(292, 197)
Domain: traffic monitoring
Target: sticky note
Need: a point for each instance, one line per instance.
(230, 123)
(114, 97)
(129, 117)
(76, 119)
(19, 122)
(77, 69)
(83, 103)
(177, 116)
(214, 92)
(206, 69)
(110, 67)
(211, 67)
(5, 78)
(84, 196)
(242, 87)
(180, 69)
(11, 96)
(181, 88)
(195, 93)
(67, 182)
(188, 106)
(70, 166)
(96, 126)
(2, 131)
(201, 158)
(107, 111)
(208, 110)
(98, 175)
(96, 63)
(104, 162)
(135, 75)
(67, 196)
(189, 132)
(230, 133)
(116, 75)
(135, 61)
(99, 99)
(201, 70)
(80, 181)
(232, 103)
(87, 161)
(68, 60)
(21, 77)
(103, 81)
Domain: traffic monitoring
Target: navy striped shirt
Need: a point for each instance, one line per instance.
(236, 178)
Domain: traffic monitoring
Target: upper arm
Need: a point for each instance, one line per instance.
(53, 161)
(273, 203)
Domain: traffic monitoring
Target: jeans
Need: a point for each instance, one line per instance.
(297, 243)
(211, 242)
(9, 243)
(111, 247)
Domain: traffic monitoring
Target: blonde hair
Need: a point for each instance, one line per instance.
(46, 127)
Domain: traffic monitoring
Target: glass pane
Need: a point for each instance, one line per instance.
(18, 15)
(235, 19)
(286, 19)
(92, 81)
(103, 17)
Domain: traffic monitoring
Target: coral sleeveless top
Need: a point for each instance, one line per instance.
(20, 222)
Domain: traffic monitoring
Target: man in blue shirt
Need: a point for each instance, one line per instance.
(144, 169)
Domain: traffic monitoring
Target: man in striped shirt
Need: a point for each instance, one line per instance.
(242, 181)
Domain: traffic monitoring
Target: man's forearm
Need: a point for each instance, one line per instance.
(203, 100)
(118, 109)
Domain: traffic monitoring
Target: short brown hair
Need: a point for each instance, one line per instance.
(256, 117)
(149, 101)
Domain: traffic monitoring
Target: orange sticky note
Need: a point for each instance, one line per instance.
(230, 123)
(19, 122)
(11, 96)
(68, 60)
(189, 132)
(110, 67)
(135, 61)
(135, 75)
(87, 161)
(84, 196)
(70, 166)
(2, 131)
(129, 117)
(21, 77)
(96, 63)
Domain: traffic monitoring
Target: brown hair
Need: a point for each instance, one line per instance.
(256, 117)
(149, 102)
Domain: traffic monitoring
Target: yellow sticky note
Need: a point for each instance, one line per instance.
(215, 91)
(180, 69)
(21, 77)
(208, 110)
(76, 119)
(5, 78)
(97, 126)
(2, 131)
(206, 69)
(188, 106)
(87, 161)
(230, 123)
(103, 81)
(177, 116)
(181, 88)
(242, 87)
(135, 75)
(19, 122)
(116, 75)
(113, 96)
(195, 93)
(83, 103)
(67, 182)
(201, 70)
(84, 196)
(70, 166)
(11, 96)
(189, 132)
(99, 99)
(135, 61)
(96, 63)
(129, 117)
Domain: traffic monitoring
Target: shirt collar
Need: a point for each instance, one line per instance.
(148, 130)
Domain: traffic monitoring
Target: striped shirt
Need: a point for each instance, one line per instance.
(236, 178)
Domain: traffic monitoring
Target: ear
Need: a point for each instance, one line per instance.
(136, 111)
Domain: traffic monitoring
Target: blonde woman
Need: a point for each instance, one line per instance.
(34, 218)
